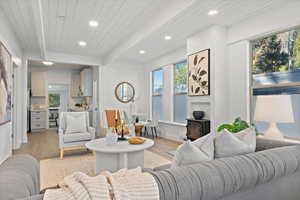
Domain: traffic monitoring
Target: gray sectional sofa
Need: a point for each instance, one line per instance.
(271, 173)
(20, 178)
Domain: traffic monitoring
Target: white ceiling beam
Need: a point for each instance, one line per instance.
(39, 26)
(167, 14)
(65, 58)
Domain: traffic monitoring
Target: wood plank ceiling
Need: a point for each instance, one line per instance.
(125, 26)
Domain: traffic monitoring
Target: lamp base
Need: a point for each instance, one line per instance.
(273, 132)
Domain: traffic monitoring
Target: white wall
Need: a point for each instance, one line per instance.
(215, 105)
(20, 126)
(8, 38)
(230, 62)
(59, 76)
(213, 38)
(239, 79)
(173, 131)
(112, 75)
(165, 62)
(167, 97)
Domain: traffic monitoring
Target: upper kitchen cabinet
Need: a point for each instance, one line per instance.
(75, 85)
(39, 84)
(86, 77)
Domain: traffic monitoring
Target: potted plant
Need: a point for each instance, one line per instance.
(237, 126)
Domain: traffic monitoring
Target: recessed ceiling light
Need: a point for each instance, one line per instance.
(82, 43)
(142, 51)
(93, 23)
(212, 12)
(168, 37)
(48, 63)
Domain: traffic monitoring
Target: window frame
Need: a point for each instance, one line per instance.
(174, 76)
(174, 88)
(251, 86)
(152, 89)
(152, 82)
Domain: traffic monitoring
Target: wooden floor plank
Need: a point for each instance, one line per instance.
(44, 145)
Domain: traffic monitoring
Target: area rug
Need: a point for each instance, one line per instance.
(54, 170)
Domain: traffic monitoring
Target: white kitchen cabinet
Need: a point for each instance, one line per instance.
(75, 85)
(39, 84)
(38, 120)
(86, 77)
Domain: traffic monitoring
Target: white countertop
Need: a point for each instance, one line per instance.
(38, 110)
(100, 145)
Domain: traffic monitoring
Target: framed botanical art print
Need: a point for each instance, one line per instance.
(5, 85)
(199, 73)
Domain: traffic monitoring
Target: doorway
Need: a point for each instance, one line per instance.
(58, 100)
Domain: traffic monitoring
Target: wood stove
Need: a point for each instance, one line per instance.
(197, 128)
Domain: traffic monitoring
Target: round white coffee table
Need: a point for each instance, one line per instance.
(118, 156)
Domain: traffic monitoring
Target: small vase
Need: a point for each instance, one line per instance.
(198, 115)
(111, 138)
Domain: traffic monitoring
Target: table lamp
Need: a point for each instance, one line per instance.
(274, 109)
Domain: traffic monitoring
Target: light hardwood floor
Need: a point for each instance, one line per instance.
(44, 145)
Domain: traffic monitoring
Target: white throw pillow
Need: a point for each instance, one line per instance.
(206, 145)
(188, 153)
(231, 144)
(76, 123)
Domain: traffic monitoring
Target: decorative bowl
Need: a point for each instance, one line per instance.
(136, 140)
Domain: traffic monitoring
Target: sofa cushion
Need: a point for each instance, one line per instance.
(19, 177)
(77, 137)
(246, 174)
(76, 123)
(206, 145)
(193, 152)
(35, 197)
(230, 144)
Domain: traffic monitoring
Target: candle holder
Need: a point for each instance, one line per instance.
(122, 137)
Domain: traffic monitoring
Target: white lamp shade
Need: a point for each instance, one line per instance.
(274, 108)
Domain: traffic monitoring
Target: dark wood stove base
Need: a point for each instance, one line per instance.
(197, 128)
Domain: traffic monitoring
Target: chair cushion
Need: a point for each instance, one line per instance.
(76, 123)
(77, 137)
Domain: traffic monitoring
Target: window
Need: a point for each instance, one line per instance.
(276, 71)
(180, 91)
(54, 100)
(157, 87)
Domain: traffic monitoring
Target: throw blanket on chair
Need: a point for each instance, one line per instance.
(122, 185)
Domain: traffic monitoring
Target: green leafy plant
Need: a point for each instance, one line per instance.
(237, 126)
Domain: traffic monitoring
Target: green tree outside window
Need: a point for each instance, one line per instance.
(54, 100)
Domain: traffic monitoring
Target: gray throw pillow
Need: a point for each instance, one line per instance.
(194, 152)
(231, 144)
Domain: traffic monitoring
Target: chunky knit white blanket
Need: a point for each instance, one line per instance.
(122, 185)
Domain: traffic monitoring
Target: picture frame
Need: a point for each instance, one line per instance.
(199, 73)
(6, 66)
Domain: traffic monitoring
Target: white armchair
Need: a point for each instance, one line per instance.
(74, 131)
